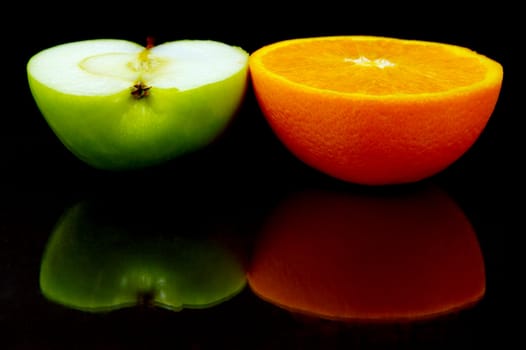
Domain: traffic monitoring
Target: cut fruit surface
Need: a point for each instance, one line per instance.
(375, 110)
(102, 67)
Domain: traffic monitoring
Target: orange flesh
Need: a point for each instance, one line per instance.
(374, 68)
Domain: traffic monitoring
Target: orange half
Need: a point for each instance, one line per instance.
(375, 110)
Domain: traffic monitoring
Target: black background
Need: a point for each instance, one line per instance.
(244, 173)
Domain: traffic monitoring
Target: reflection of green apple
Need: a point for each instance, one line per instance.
(100, 260)
(118, 105)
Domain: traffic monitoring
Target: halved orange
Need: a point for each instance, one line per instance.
(375, 110)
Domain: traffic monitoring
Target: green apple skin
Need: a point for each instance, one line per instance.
(96, 263)
(119, 132)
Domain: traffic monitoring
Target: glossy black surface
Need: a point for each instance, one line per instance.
(237, 182)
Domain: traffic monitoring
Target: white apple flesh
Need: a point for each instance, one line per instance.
(118, 105)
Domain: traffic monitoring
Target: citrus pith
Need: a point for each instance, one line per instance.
(375, 110)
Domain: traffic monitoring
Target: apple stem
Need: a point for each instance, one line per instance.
(150, 42)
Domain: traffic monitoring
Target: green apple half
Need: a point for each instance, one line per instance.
(100, 258)
(118, 105)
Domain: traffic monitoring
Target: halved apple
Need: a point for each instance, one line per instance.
(118, 105)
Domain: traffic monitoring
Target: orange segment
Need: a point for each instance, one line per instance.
(375, 110)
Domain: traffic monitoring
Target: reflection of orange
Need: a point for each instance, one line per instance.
(375, 110)
(340, 256)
